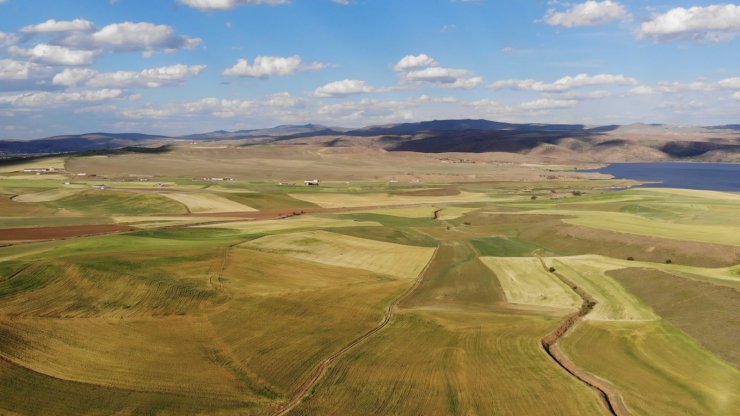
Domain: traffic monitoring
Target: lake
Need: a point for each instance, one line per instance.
(707, 176)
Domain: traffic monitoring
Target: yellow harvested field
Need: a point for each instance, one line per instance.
(334, 200)
(525, 282)
(48, 195)
(290, 224)
(206, 203)
(155, 221)
(615, 303)
(405, 262)
(56, 162)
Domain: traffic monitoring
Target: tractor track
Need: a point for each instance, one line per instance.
(318, 373)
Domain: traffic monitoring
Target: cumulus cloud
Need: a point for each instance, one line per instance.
(422, 69)
(148, 78)
(410, 62)
(142, 36)
(55, 55)
(589, 13)
(45, 99)
(265, 67)
(53, 26)
(343, 88)
(736, 95)
(564, 84)
(714, 23)
(12, 70)
(217, 107)
(284, 100)
(227, 4)
(7, 39)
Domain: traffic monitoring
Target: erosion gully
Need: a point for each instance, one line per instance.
(608, 395)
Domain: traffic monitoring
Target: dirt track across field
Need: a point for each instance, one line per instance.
(324, 365)
(608, 394)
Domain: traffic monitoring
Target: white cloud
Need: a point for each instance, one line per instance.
(143, 36)
(228, 4)
(266, 66)
(70, 77)
(736, 95)
(7, 39)
(730, 83)
(284, 100)
(564, 84)
(548, 104)
(55, 55)
(217, 107)
(589, 13)
(716, 23)
(343, 88)
(52, 26)
(410, 62)
(149, 78)
(11, 70)
(46, 99)
(422, 68)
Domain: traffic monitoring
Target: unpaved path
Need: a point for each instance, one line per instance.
(324, 365)
(611, 398)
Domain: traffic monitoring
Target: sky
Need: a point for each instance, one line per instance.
(190, 66)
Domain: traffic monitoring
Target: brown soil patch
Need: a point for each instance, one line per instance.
(51, 233)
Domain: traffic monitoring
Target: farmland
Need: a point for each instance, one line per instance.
(257, 296)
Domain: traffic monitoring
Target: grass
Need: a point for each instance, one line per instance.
(201, 202)
(118, 203)
(268, 201)
(694, 307)
(525, 282)
(503, 247)
(290, 224)
(48, 195)
(657, 369)
(405, 236)
(405, 262)
(337, 200)
(615, 303)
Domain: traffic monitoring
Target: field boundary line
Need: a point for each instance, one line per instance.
(318, 373)
(611, 398)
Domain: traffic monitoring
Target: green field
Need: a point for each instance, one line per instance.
(361, 296)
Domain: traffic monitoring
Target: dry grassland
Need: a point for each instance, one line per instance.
(525, 282)
(400, 261)
(206, 202)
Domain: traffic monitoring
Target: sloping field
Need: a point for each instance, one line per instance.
(634, 224)
(285, 315)
(206, 202)
(405, 262)
(50, 233)
(459, 363)
(289, 224)
(657, 369)
(694, 307)
(336, 200)
(525, 282)
(131, 355)
(108, 202)
(48, 195)
(615, 303)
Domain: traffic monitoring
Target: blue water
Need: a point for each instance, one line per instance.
(707, 176)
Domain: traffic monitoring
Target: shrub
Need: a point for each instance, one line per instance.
(630, 258)
(552, 270)
(669, 261)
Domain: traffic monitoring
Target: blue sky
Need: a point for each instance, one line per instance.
(186, 66)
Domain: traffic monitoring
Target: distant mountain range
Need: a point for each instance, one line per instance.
(553, 141)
